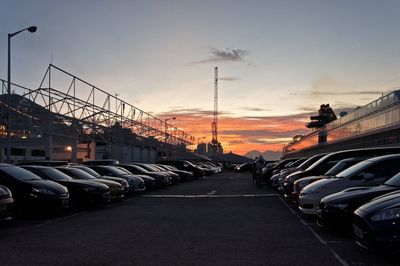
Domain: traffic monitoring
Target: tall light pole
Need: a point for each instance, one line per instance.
(10, 35)
(165, 130)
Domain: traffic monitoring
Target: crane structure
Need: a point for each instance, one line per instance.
(214, 124)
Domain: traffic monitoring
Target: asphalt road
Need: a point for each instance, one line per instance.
(220, 220)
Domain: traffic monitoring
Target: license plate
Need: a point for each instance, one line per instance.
(357, 231)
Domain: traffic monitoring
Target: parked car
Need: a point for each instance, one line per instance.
(244, 167)
(186, 166)
(82, 192)
(172, 177)
(298, 185)
(116, 190)
(321, 166)
(376, 223)
(278, 178)
(30, 192)
(337, 209)
(184, 175)
(276, 168)
(161, 180)
(6, 203)
(136, 184)
(370, 172)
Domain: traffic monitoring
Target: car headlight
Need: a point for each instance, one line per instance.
(386, 215)
(43, 191)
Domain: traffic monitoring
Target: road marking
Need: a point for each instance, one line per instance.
(323, 242)
(209, 195)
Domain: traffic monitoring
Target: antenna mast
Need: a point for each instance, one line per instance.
(214, 124)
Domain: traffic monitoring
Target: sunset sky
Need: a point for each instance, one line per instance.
(278, 60)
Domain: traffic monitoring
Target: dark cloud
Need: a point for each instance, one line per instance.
(255, 109)
(264, 133)
(331, 93)
(228, 78)
(227, 55)
(191, 111)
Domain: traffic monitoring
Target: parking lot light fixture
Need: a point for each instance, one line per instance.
(165, 131)
(10, 35)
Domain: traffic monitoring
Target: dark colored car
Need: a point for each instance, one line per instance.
(337, 209)
(376, 224)
(32, 193)
(6, 203)
(277, 167)
(184, 175)
(244, 167)
(116, 190)
(276, 180)
(82, 192)
(161, 180)
(172, 177)
(186, 166)
(149, 181)
(321, 166)
(136, 184)
(123, 182)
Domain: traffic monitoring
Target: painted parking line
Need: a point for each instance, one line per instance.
(209, 195)
(322, 241)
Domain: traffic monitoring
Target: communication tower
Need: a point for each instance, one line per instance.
(214, 124)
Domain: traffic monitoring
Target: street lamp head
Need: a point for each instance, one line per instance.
(32, 28)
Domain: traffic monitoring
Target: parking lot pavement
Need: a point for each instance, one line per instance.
(220, 220)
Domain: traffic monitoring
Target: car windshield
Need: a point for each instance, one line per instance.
(354, 169)
(89, 171)
(78, 173)
(140, 168)
(20, 173)
(148, 168)
(310, 161)
(116, 170)
(342, 165)
(55, 174)
(126, 172)
(394, 181)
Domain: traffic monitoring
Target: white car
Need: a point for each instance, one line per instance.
(370, 172)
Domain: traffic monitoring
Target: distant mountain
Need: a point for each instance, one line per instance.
(269, 155)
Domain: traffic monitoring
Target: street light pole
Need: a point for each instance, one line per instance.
(10, 35)
(165, 130)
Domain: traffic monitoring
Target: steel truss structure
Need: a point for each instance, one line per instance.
(93, 113)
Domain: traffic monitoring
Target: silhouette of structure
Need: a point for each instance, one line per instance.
(68, 112)
(375, 124)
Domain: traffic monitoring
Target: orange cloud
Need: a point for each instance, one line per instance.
(240, 134)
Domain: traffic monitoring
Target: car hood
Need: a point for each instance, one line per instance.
(319, 183)
(48, 184)
(79, 183)
(382, 203)
(358, 193)
(111, 184)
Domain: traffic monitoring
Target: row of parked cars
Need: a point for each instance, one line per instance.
(355, 189)
(48, 186)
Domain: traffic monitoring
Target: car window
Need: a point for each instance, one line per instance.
(394, 181)
(55, 174)
(379, 171)
(90, 171)
(20, 173)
